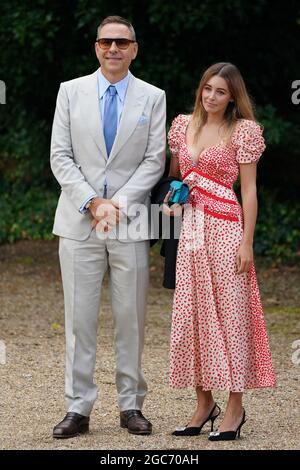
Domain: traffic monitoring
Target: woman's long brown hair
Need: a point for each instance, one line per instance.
(240, 108)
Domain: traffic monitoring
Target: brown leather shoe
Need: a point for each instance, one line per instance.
(72, 425)
(135, 422)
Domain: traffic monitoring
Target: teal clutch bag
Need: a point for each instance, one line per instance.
(179, 193)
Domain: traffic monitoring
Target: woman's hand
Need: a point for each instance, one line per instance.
(174, 210)
(244, 257)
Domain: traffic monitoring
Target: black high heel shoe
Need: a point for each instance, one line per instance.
(195, 430)
(228, 435)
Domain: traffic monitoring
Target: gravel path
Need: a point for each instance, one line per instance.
(32, 380)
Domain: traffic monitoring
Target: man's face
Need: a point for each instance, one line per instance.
(115, 61)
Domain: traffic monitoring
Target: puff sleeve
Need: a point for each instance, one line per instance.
(248, 142)
(176, 134)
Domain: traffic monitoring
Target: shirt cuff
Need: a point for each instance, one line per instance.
(83, 209)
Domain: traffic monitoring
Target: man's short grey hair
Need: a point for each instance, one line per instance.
(118, 20)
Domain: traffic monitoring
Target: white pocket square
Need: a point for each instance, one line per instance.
(143, 120)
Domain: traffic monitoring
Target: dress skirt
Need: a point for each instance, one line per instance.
(218, 338)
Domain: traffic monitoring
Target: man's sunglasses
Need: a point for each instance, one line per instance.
(121, 43)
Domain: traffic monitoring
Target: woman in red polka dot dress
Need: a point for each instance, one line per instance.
(219, 339)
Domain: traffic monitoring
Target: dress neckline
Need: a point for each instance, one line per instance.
(220, 144)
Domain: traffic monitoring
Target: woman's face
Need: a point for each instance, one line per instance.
(216, 95)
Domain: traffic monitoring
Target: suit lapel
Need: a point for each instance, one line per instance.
(134, 104)
(90, 109)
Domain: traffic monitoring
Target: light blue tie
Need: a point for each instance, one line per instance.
(110, 118)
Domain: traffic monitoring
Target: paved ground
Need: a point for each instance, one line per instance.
(32, 380)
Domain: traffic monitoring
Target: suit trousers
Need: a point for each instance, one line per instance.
(83, 265)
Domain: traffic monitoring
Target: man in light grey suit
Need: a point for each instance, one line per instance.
(107, 147)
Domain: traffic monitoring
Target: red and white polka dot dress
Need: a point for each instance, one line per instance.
(219, 338)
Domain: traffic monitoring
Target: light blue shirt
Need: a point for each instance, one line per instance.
(103, 85)
(103, 94)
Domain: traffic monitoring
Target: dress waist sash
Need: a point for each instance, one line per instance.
(217, 198)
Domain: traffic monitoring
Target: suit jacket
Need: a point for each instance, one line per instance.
(78, 153)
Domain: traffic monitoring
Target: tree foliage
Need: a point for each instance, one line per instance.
(44, 43)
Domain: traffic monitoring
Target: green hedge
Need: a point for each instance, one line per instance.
(45, 42)
(277, 234)
(27, 215)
